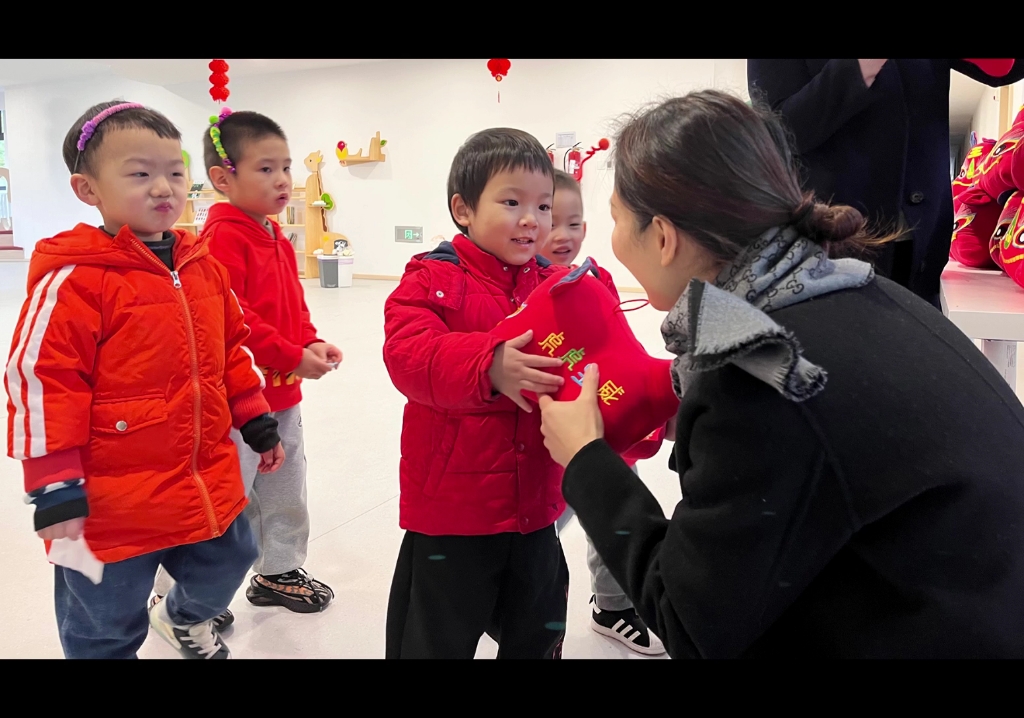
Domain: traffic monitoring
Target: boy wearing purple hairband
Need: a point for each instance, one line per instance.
(127, 372)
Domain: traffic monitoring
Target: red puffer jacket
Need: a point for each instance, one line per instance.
(471, 464)
(130, 376)
(265, 278)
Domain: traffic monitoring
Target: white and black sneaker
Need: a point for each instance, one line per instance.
(201, 640)
(626, 627)
(222, 622)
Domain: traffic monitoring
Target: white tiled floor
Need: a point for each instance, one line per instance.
(352, 420)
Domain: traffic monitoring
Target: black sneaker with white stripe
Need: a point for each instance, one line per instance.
(199, 641)
(626, 627)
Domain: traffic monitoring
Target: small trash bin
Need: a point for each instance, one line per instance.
(329, 271)
(345, 271)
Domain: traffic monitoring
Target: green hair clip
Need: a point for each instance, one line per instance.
(215, 136)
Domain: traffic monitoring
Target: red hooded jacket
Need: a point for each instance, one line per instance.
(130, 376)
(265, 277)
(472, 463)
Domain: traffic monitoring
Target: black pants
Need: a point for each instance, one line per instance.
(448, 590)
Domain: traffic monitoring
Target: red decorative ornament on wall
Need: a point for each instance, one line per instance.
(219, 79)
(498, 67)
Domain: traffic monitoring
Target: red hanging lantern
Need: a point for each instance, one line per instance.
(219, 79)
(498, 67)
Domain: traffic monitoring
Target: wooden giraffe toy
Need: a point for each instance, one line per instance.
(317, 203)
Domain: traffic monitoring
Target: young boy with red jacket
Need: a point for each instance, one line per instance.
(248, 161)
(479, 492)
(127, 372)
(613, 614)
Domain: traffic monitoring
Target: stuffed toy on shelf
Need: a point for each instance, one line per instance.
(987, 198)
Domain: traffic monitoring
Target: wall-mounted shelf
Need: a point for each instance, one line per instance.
(374, 154)
(357, 160)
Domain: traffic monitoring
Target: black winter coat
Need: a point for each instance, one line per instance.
(883, 149)
(880, 518)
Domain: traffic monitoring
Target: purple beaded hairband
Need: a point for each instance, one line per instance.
(89, 128)
(215, 136)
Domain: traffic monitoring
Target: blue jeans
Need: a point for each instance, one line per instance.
(111, 620)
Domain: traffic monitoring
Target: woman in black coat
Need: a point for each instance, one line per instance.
(849, 461)
(874, 134)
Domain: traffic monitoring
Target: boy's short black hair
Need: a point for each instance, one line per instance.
(487, 153)
(236, 131)
(565, 181)
(141, 118)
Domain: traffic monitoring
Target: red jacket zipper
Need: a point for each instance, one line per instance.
(204, 493)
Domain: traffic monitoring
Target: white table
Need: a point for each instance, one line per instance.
(986, 305)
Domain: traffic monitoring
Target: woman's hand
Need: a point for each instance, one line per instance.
(568, 426)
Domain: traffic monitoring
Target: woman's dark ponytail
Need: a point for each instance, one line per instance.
(840, 228)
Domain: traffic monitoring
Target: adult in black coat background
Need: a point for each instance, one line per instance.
(874, 134)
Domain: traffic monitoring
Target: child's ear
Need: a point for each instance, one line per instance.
(219, 179)
(584, 229)
(461, 211)
(81, 185)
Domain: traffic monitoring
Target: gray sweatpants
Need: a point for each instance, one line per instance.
(277, 502)
(607, 592)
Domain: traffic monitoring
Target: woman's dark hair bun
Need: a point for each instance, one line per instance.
(828, 224)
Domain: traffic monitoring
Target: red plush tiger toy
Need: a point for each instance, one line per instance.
(987, 203)
(574, 318)
(976, 212)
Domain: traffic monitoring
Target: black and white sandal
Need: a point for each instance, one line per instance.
(295, 590)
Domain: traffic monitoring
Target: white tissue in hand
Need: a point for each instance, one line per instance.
(75, 554)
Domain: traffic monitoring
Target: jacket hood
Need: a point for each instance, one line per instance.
(88, 245)
(227, 213)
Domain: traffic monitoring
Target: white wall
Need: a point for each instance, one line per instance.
(39, 117)
(1016, 97)
(425, 109)
(986, 116)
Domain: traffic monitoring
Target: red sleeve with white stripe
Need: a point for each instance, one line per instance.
(243, 379)
(48, 376)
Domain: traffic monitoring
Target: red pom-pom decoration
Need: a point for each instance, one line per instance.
(219, 79)
(498, 67)
(603, 144)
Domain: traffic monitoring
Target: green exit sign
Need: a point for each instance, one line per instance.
(409, 234)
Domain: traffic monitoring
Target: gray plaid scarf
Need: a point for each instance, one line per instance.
(728, 323)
